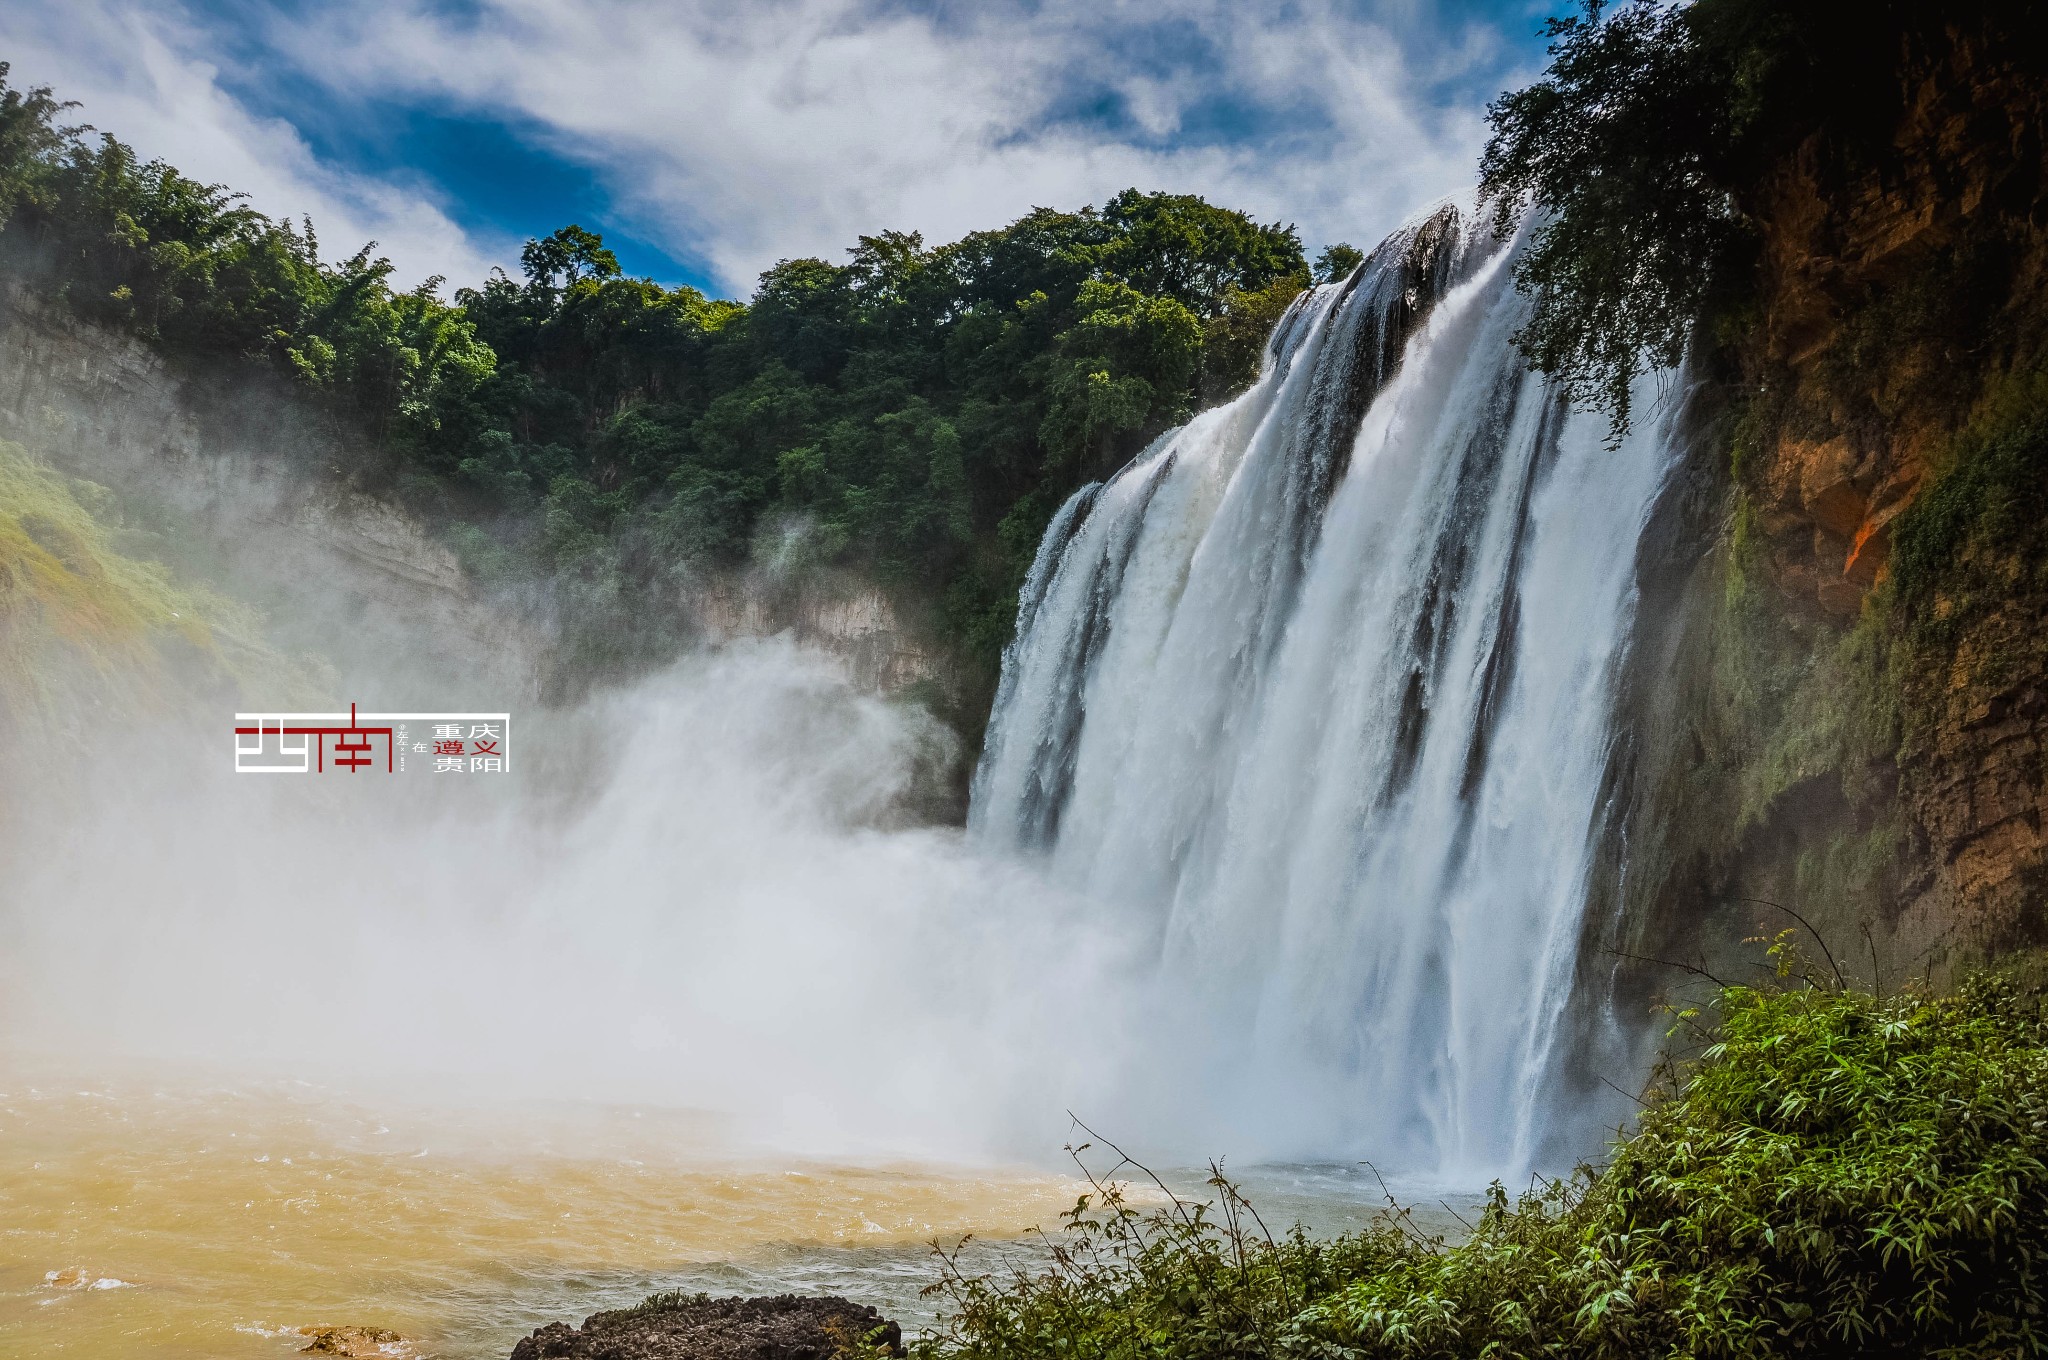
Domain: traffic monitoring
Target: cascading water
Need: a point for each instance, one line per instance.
(1317, 693)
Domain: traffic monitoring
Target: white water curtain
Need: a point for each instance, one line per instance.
(1317, 692)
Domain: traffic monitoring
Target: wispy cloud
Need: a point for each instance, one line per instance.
(737, 135)
(146, 75)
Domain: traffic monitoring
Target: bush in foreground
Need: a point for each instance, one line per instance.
(1835, 1174)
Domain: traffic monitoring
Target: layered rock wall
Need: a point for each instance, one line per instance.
(1809, 742)
(1851, 237)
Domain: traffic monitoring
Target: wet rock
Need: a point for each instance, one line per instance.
(672, 1326)
(354, 1341)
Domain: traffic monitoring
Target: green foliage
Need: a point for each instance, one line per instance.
(910, 407)
(1652, 136)
(1178, 246)
(186, 266)
(1337, 261)
(1124, 366)
(666, 1301)
(1835, 1174)
(30, 138)
(1234, 340)
(572, 254)
(1838, 1175)
(1623, 145)
(1189, 1281)
(1976, 534)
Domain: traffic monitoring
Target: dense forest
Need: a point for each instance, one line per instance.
(915, 413)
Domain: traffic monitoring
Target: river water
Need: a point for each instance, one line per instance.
(170, 1216)
(142, 1215)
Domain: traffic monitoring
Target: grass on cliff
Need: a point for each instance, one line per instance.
(83, 626)
(1834, 1173)
(1975, 535)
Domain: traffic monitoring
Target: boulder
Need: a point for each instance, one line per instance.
(675, 1326)
(360, 1343)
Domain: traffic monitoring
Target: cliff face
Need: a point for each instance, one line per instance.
(1822, 726)
(1896, 282)
(1902, 289)
(852, 619)
(1979, 794)
(225, 487)
(90, 637)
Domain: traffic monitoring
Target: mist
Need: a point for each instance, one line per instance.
(681, 896)
(710, 887)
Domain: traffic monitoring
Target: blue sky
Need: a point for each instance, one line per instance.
(708, 140)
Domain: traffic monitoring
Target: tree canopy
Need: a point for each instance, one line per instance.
(918, 410)
(1651, 137)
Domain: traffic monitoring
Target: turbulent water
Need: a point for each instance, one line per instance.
(180, 1215)
(160, 1213)
(1316, 693)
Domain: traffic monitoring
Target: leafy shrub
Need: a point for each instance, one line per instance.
(1189, 1280)
(1835, 1174)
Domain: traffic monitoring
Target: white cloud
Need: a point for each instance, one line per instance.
(741, 135)
(144, 74)
(738, 135)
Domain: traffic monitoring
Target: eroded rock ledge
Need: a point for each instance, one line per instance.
(672, 1327)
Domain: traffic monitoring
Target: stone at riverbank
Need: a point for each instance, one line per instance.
(674, 1326)
(358, 1343)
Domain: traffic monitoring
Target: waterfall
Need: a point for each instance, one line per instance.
(1316, 695)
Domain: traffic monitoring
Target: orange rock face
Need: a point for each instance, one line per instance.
(1869, 408)
(1979, 792)
(1838, 243)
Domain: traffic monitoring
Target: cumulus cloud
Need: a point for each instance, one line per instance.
(738, 135)
(745, 134)
(150, 77)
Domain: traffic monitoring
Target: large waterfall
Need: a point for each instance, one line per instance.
(1316, 694)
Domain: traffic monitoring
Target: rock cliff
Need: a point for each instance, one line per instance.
(1821, 728)
(1897, 280)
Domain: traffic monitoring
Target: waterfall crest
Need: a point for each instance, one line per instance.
(1316, 695)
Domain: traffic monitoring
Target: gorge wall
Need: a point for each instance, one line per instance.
(231, 483)
(1844, 713)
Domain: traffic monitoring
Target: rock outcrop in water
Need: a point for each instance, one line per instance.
(673, 1327)
(355, 1343)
